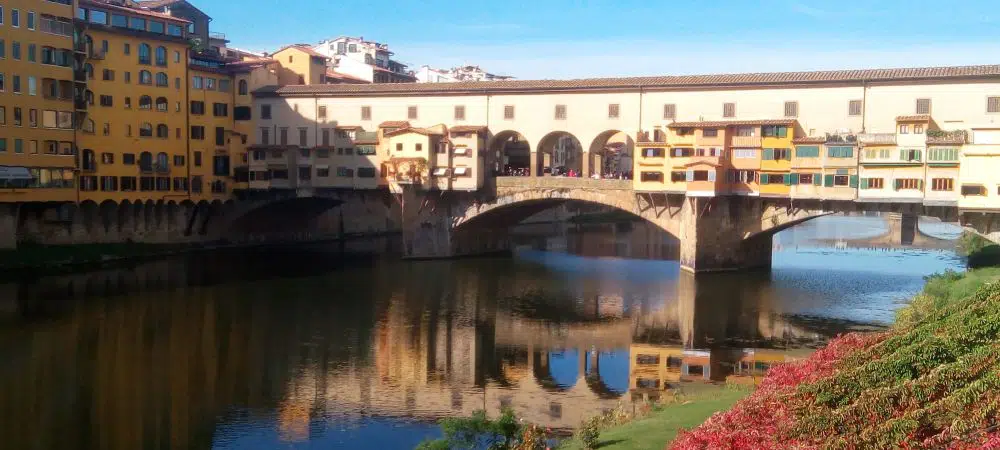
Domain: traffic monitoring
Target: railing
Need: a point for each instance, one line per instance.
(644, 136)
(877, 138)
(745, 141)
(562, 183)
(366, 136)
(217, 35)
(947, 137)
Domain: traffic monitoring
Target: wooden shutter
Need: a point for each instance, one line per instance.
(791, 109)
(508, 112)
(828, 181)
(729, 110)
(817, 179)
(993, 104)
(669, 111)
(854, 181)
(854, 108)
(923, 106)
(769, 154)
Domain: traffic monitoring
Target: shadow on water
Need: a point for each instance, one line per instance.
(318, 349)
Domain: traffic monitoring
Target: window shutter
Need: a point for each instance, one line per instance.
(787, 178)
(854, 181)
(902, 155)
(769, 154)
(864, 181)
(920, 184)
(689, 176)
(828, 181)
(711, 175)
(817, 179)
(793, 179)
(895, 184)
(782, 131)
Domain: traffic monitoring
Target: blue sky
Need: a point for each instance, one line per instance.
(567, 39)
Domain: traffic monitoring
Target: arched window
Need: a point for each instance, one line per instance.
(161, 56)
(146, 161)
(144, 53)
(89, 42)
(161, 104)
(162, 131)
(145, 102)
(162, 80)
(146, 130)
(90, 71)
(243, 87)
(145, 77)
(87, 160)
(88, 126)
(162, 163)
(88, 96)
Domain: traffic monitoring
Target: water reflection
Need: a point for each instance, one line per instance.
(302, 350)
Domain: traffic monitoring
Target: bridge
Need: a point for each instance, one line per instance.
(716, 233)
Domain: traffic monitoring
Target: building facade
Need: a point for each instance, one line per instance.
(427, 74)
(364, 60)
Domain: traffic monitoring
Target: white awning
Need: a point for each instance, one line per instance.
(15, 173)
(440, 171)
(461, 171)
(464, 151)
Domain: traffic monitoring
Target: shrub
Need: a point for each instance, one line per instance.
(590, 432)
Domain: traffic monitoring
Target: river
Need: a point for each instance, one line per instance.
(313, 347)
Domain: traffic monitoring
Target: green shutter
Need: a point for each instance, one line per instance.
(782, 132)
(793, 179)
(828, 181)
(864, 181)
(768, 154)
(817, 179)
(787, 178)
(854, 181)
(902, 154)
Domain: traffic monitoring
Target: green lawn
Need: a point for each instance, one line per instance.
(659, 428)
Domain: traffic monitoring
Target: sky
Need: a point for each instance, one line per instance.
(560, 39)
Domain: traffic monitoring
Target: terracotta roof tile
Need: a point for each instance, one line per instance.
(914, 118)
(810, 140)
(651, 82)
(345, 78)
(394, 124)
(467, 129)
(423, 131)
(725, 123)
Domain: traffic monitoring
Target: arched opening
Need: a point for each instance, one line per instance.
(144, 54)
(145, 77)
(243, 88)
(510, 154)
(162, 80)
(611, 155)
(145, 102)
(560, 154)
(556, 370)
(146, 129)
(162, 131)
(280, 215)
(161, 56)
(161, 104)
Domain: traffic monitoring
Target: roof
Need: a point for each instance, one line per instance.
(348, 127)
(163, 3)
(423, 131)
(394, 124)
(651, 82)
(467, 129)
(726, 123)
(810, 140)
(345, 78)
(914, 118)
(302, 48)
(136, 11)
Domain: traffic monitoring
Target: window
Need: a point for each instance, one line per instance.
(145, 102)
(729, 110)
(918, 129)
(776, 154)
(942, 154)
(283, 136)
(614, 110)
(48, 124)
(109, 183)
(399, 147)
(303, 137)
(162, 80)
(179, 160)
(136, 23)
(210, 84)
(220, 165)
(744, 153)
(459, 112)
(15, 18)
(367, 172)
(778, 131)
(908, 183)
(265, 136)
(909, 154)
(220, 110)
(840, 152)
(242, 113)
(973, 189)
(31, 20)
(682, 152)
(265, 112)
(942, 184)
(508, 112)
(32, 53)
(791, 109)
(560, 112)
(144, 53)
(806, 178)
(197, 107)
(345, 172)
(652, 152)
(33, 86)
(872, 183)
(177, 56)
(161, 104)
(107, 100)
(670, 111)
(197, 159)
(923, 106)
(161, 56)
(15, 50)
(174, 30)
(321, 112)
(710, 132)
(807, 151)
(992, 103)
(162, 131)
(197, 132)
(128, 77)
(411, 112)
(651, 177)
(741, 176)
(145, 77)
(146, 130)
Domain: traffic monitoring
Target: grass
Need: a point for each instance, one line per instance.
(661, 426)
(942, 290)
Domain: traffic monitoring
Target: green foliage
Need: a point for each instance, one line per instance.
(590, 433)
(979, 251)
(478, 431)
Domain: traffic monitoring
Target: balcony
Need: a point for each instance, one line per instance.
(366, 136)
(877, 138)
(745, 141)
(953, 137)
(217, 35)
(658, 137)
(841, 138)
(96, 54)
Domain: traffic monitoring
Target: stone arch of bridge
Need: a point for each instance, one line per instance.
(510, 154)
(559, 152)
(611, 154)
(271, 215)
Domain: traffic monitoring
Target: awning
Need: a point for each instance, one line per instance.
(15, 173)
(461, 171)
(440, 171)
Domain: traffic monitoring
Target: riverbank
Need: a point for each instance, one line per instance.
(931, 381)
(691, 407)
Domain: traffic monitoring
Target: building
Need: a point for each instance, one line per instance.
(39, 100)
(300, 64)
(426, 74)
(979, 161)
(363, 60)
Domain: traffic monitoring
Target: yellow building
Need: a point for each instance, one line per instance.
(133, 137)
(776, 157)
(980, 163)
(418, 156)
(300, 65)
(37, 101)
(650, 161)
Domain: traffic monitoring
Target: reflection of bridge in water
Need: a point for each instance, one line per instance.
(902, 232)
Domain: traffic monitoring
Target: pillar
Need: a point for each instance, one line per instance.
(902, 228)
(8, 225)
(429, 233)
(535, 169)
(585, 163)
(712, 235)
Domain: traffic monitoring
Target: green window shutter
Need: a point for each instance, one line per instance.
(782, 132)
(919, 155)
(920, 184)
(828, 181)
(817, 179)
(768, 154)
(711, 175)
(895, 184)
(902, 155)
(864, 181)
(854, 181)
(787, 179)
(793, 179)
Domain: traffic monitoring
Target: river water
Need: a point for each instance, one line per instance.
(312, 348)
